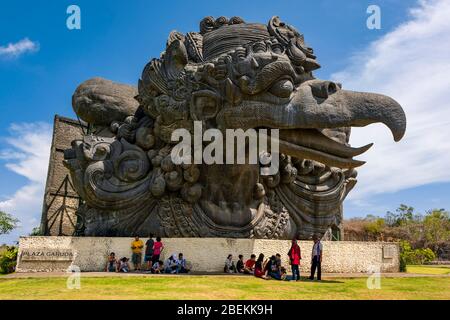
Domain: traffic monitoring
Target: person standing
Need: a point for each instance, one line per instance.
(158, 247)
(294, 258)
(316, 258)
(149, 251)
(136, 257)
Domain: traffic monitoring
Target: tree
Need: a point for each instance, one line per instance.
(436, 228)
(7, 223)
(36, 232)
(375, 226)
(403, 214)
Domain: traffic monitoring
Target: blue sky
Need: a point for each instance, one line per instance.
(407, 59)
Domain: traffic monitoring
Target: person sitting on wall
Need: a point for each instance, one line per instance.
(170, 265)
(240, 264)
(259, 267)
(229, 265)
(111, 264)
(136, 257)
(182, 264)
(149, 251)
(124, 266)
(249, 266)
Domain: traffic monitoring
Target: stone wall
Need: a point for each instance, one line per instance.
(60, 199)
(206, 254)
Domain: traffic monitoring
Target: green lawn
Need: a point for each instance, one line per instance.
(428, 269)
(222, 287)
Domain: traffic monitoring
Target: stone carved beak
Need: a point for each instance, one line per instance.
(318, 104)
(324, 105)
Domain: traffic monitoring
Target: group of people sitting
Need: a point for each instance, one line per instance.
(272, 267)
(176, 263)
(269, 268)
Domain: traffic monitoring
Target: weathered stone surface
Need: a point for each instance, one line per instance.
(208, 254)
(100, 101)
(230, 75)
(61, 200)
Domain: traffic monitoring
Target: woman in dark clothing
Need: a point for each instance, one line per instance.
(272, 268)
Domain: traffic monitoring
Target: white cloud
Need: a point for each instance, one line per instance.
(28, 156)
(412, 65)
(12, 50)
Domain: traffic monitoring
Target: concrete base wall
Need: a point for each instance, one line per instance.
(51, 253)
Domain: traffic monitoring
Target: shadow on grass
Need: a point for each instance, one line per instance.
(225, 275)
(306, 279)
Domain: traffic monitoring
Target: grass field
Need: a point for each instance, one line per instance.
(222, 287)
(438, 270)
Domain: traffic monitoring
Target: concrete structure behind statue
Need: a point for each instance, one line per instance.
(61, 200)
(205, 254)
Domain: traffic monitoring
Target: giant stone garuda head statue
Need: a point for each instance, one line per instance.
(230, 75)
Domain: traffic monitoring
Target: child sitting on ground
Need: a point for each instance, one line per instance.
(158, 267)
(124, 266)
(111, 264)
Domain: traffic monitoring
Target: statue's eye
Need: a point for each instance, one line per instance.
(282, 88)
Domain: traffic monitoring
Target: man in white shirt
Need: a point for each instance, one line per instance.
(316, 258)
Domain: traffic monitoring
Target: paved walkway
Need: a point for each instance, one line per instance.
(20, 275)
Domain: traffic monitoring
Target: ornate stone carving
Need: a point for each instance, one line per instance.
(231, 74)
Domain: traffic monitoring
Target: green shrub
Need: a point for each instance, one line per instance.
(36, 232)
(374, 226)
(8, 260)
(422, 255)
(405, 249)
(408, 255)
(402, 264)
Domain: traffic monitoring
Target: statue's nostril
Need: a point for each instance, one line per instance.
(323, 89)
(331, 88)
